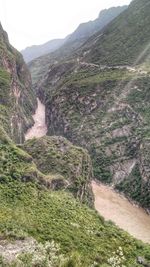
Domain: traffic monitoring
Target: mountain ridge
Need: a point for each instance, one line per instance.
(80, 35)
(103, 104)
(42, 220)
(35, 51)
(120, 43)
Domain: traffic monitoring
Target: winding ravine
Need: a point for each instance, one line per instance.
(111, 205)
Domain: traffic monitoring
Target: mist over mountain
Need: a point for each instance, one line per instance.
(35, 51)
(85, 30)
(81, 34)
(123, 40)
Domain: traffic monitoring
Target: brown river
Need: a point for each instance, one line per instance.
(39, 128)
(111, 205)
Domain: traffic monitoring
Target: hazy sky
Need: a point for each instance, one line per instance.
(30, 22)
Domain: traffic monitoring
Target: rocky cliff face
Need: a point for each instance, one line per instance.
(17, 100)
(29, 205)
(17, 104)
(98, 101)
(105, 110)
(71, 166)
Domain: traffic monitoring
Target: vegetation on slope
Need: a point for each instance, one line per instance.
(104, 106)
(93, 107)
(55, 155)
(123, 40)
(87, 29)
(26, 210)
(17, 100)
(105, 110)
(40, 66)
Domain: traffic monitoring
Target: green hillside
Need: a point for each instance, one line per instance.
(29, 209)
(104, 107)
(47, 217)
(123, 41)
(40, 65)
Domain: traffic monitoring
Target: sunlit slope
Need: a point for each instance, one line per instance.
(124, 39)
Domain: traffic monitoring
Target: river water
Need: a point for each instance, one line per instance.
(39, 128)
(111, 205)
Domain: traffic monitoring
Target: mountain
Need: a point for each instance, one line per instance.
(122, 42)
(17, 99)
(87, 29)
(77, 38)
(45, 193)
(99, 99)
(40, 65)
(35, 51)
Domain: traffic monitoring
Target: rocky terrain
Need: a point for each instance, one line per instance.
(17, 99)
(102, 110)
(46, 204)
(105, 108)
(18, 103)
(57, 156)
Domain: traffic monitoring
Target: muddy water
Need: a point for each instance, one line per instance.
(112, 206)
(108, 203)
(39, 128)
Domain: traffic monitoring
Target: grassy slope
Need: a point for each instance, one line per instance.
(29, 209)
(40, 66)
(124, 39)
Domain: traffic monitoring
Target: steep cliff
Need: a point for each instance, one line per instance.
(17, 100)
(73, 41)
(57, 156)
(105, 108)
(106, 111)
(17, 105)
(39, 225)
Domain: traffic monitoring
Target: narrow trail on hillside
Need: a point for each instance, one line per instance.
(39, 128)
(111, 205)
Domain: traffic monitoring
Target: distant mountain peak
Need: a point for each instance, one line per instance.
(78, 37)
